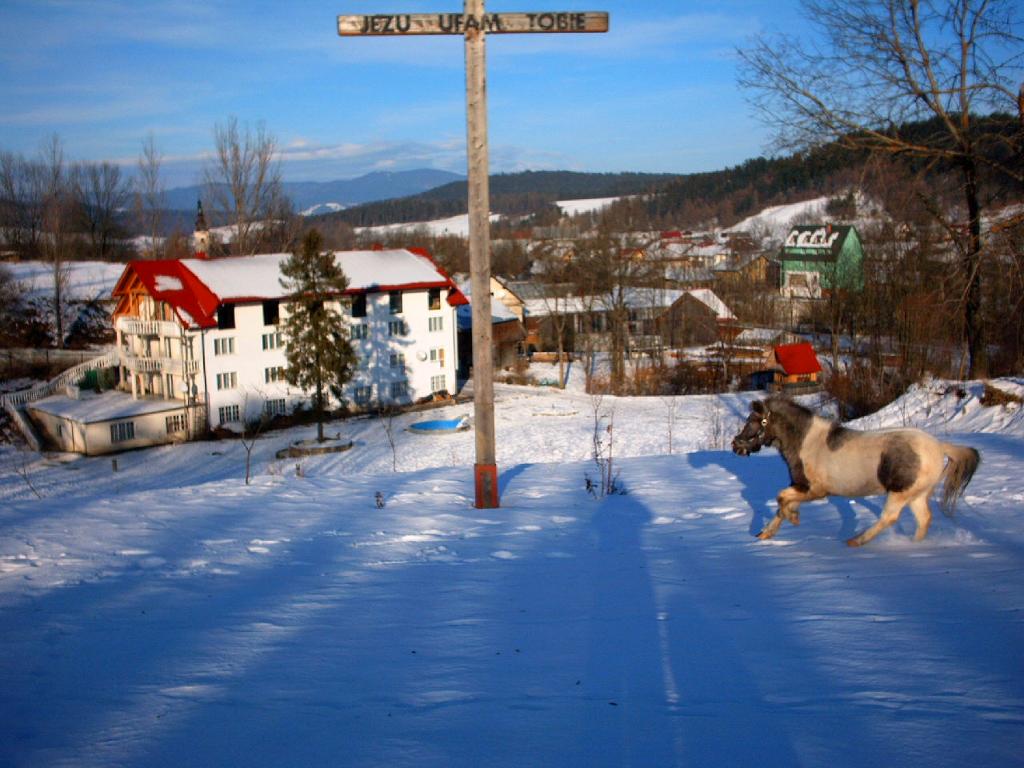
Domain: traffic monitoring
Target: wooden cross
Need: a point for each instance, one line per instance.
(474, 25)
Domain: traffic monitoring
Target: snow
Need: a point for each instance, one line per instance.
(259, 276)
(87, 280)
(453, 225)
(167, 614)
(592, 205)
(89, 408)
(459, 225)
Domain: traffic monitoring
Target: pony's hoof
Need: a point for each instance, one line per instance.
(854, 542)
(765, 535)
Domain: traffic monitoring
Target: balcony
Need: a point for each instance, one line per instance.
(136, 327)
(173, 365)
(143, 364)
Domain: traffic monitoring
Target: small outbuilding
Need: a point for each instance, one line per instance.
(795, 368)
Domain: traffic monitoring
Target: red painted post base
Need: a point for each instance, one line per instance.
(486, 477)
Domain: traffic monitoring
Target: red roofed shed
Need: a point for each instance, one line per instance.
(796, 367)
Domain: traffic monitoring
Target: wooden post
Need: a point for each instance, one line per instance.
(485, 469)
(474, 24)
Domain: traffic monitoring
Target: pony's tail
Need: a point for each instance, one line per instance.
(963, 461)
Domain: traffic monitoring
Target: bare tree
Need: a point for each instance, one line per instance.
(558, 298)
(103, 194)
(609, 268)
(869, 68)
(254, 427)
(59, 211)
(242, 185)
(150, 201)
(21, 204)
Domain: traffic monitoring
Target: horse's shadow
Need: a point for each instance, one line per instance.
(762, 477)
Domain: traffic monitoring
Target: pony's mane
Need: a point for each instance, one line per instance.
(782, 404)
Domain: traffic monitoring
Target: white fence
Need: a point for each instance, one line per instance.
(70, 376)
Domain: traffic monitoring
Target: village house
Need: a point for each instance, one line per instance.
(199, 345)
(508, 329)
(655, 318)
(817, 259)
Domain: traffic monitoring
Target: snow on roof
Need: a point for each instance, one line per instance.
(499, 312)
(633, 298)
(196, 287)
(93, 409)
(708, 297)
(258, 277)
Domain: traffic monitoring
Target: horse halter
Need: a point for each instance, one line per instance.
(755, 441)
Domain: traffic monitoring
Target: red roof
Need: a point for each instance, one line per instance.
(195, 303)
(797, 359)
(168, 280)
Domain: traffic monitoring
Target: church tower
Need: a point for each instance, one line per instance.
(201, 236)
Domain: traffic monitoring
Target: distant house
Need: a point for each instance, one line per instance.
(654, 317)
(795, 368)
(508, 331)
(817, 259)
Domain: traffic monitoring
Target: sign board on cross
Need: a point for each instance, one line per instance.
(460, 23)
(475, 25)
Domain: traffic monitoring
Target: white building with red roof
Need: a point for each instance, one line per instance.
(203, 337)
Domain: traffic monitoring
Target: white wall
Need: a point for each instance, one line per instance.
(427, 354)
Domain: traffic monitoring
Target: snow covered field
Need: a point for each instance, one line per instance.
(169, 615)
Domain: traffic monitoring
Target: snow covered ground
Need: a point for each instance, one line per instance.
(167, 614)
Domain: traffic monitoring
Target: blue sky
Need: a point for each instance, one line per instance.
(657, 93)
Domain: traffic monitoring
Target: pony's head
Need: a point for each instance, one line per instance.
(756, 432)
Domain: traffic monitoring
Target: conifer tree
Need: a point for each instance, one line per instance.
(320, 358)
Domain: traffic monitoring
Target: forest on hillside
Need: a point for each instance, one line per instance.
(692, 200)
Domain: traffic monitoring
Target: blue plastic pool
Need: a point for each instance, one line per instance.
(440, 425)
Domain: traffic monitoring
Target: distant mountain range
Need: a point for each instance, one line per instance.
(314, 197)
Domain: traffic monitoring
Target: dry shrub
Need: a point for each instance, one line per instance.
(864, 388)
(993, 396)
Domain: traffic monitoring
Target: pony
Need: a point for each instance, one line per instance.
(828, 459)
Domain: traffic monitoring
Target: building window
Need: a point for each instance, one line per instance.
(437, 356)
(169, 385)
(396, 328)
(276, 407)
(395, 302)
(227, 414)
(226, 316)
(436, 323)
(271, 312)
(362, 395)
(399, 390)
(397, 360)
(359, 305)
(360, 331)
(227, 380)
(175, 423)
(167, 348)
(271, 375)
(122, 431)
(273, 340)
(434, 298)
(224, 346)
(437, 383)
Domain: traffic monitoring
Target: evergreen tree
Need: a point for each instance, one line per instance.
(320, 358)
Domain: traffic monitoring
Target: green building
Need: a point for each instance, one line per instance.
(818, 258)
